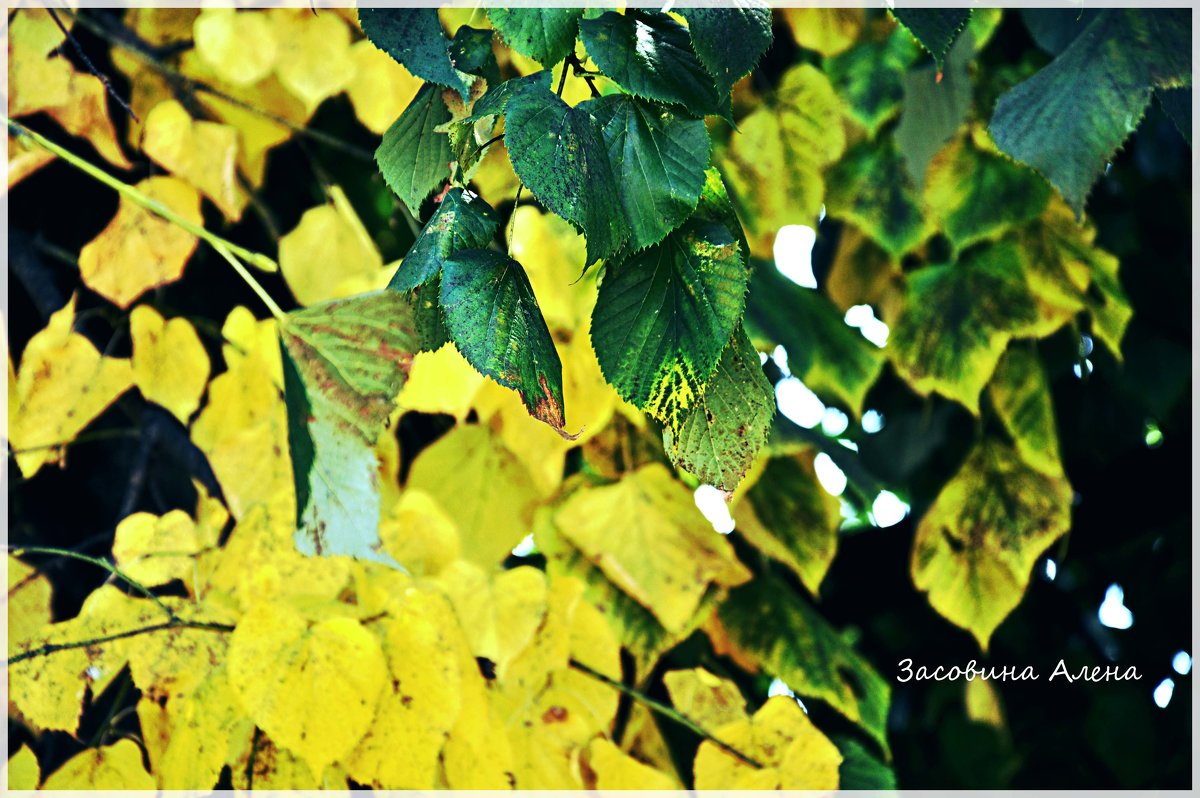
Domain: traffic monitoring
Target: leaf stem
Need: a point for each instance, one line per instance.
(174, 623)
(665, 711)
(226, 248)
(99, 563)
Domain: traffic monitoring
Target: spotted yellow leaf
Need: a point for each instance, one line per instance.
(707, 699)
(111, 767)
(153, 549)
(27, 603)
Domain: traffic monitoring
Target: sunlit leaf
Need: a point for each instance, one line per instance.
(615, 770)
(170, 364)
(314, 60)
(27, 603)
(240, 46)
(23, 770)
(380, 89)
(413, 157)
(24, 158)
(707, 699)
(329, 254)
(153, 549)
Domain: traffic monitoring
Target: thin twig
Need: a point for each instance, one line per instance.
(92, 67)
(99, 563)
(176, 623)
(665, 711)
(488, 143)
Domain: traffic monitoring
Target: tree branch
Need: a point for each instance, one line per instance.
(175, 623)
(99, 563)
(90, 66)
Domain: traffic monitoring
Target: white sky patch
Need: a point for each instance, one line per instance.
(863, 317)
(793, 254)
(525, 547)
(887, 509)
(872, 422)
(1163, 693)
(832, 478)
(711, 502)
(835, 422)
(1182, 663)
(1051, 569)
(781, 360)
(798, 403)
(779, 687)
(1113, 613)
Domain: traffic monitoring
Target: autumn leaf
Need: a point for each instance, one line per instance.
(170, 364)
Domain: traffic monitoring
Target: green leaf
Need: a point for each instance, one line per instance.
(773, 162)
(957, 321)
(860, 769)
(471, 52)
(729, 41)
(977, 545)
(413, 157)
(559, 154)
(664, 315)
(462, 221)
(789, 517)
(933, 109)
(1177, 104)
(724, 431)
(547, 35)
(1107, 302)
(1021, 397)
(494, 319)
(830, 357)
(1052, 29)
(934, 28)
(415, 39)
(1068, 120)
(976, 195)
(494, 101)
(651, 55)
(870, 188)
(770, 624)
(661, 158)
(868, 78)
(344, 363)
(427, 316)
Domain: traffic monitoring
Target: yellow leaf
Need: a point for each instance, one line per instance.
(23, 771)
(477, 754)
(330, 255)
(494, 178)
(420, 534)
(24, 158)
(440, 382)
(48, 691)
(277, 768)
(500, 615)
(112, 767)
(421, 642)
(239, 46)
(705, 698)
(314, 690)
(62, 384)
(482, 485)
(539, 447)
(380, 88)
(616, 770)
(644, 741)
(795, 755)
(829, 31)
(139, 250)
(27, 603)
(211, 516)
(202, 153)
(154, 550)
(314, 53)
(170, 364)
(667, 553)
(85, 114)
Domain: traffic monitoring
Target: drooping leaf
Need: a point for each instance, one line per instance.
(415, 39)
(559, 154)
(792, 641)
(830, 357)
(869, 78)
(977, 545)
(413, 157)
(667, 553)
(976, 195)
(344, 364)
(720, 436)
(1068, 120)
(934, 28)
(170, 365)
(651, 56)
(661, 158)
(462, 221)
(664, 315)
(494, 320)
(1020, 394)
(547, 35)
(870, 188)
(936, 104)
(729, 41)
(957, 321)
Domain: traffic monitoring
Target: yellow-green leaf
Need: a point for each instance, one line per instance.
(23, 770)
(111, 767)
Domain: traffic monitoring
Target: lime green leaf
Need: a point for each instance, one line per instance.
(770, 626)
(830, 357)
(344, 363)
(869, 76)
(413, 157)
(729, 41)
(789, 517)
(1068, 120)
(494, 319)
(664, 315)
(725, 429)
(651, 56)
(462, 221)
(661, 158)
(933, 109)
(1107, 302)
(977, 545)
(870, 188)
(958, 319)
(934, 28)
(1021, 397)
(547, 35)
(558, 152)
(976, 195)
(415, 39)
(667, 553)
(861, 769)
(1177, 105)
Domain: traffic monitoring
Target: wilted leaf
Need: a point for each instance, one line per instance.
(977, 545)
(170, 364)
